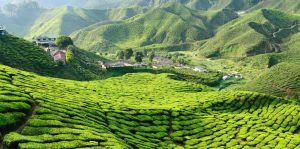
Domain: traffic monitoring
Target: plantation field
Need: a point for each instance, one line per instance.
(139, 110)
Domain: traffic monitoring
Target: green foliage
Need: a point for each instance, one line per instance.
(139, 57)
(21, 54)
(280, 80)
(259, 27)
(63, 42)
(128, 53)
(151, 56)
(121, 55)
(144, 111)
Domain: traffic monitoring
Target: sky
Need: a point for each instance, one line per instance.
(76, 3)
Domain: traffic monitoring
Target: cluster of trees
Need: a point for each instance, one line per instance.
(63, 42)
(179, 58)
(138, 55)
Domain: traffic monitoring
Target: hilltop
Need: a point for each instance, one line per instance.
(139, 111)
(65, 20)
(61, 20)
(195, 4)
(172, 25)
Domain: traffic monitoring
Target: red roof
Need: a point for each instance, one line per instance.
(59, 56)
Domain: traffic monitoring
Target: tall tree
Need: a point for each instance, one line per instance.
(121, 55)
(63, 42)
(128, 53)
(139, 57)
(151, 56)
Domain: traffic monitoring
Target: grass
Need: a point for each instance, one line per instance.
(23, 55)
(145, 110)
(280, 80)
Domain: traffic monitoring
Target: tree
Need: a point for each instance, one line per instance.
(139, 57)
(151, 56)
(63, 42)
(121, 55)
(128, 53)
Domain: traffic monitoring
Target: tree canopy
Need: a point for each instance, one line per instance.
(63, 42)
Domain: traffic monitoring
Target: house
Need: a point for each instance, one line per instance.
(44, 41)
(199, 69)
(59, 56)
(2, 30)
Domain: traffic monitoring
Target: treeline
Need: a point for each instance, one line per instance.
(138, 55)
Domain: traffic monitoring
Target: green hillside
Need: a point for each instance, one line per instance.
(21, 54)
(280, 80)
(292, 6)
(139, 111)
(266, 29)
(81, 65)
(195, 4)
(65, 20)
(169, 26)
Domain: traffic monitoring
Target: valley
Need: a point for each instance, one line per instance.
(150, 74)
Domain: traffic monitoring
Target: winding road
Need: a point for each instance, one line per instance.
(281, 29)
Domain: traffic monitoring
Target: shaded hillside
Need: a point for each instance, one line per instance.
(65, 20)
(139, 111)
(173, 24)
(266, 29)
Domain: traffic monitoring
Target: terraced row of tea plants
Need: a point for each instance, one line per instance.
(140, 110)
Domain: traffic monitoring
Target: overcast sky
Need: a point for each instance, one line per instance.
(77, 3)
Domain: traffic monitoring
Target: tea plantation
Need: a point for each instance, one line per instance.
(139, 110)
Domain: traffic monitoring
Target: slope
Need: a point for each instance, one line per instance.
(195, 4)
(21, 54)
(140, 111)
(65, 20)
(291, 6)
(266, 29)
(281, 80)
(171, 25)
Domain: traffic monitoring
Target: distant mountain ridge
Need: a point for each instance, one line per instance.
(171, 24)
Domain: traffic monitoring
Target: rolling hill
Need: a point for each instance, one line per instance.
(170, 26)
(21, 54)
(266, 29)
(61, 20)
(139, 111)
(291, 6)
(281, 80)
(195, 4)
(65, 20)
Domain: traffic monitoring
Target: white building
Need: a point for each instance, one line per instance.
(44, 41)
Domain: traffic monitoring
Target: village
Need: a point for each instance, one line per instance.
(59, 55)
